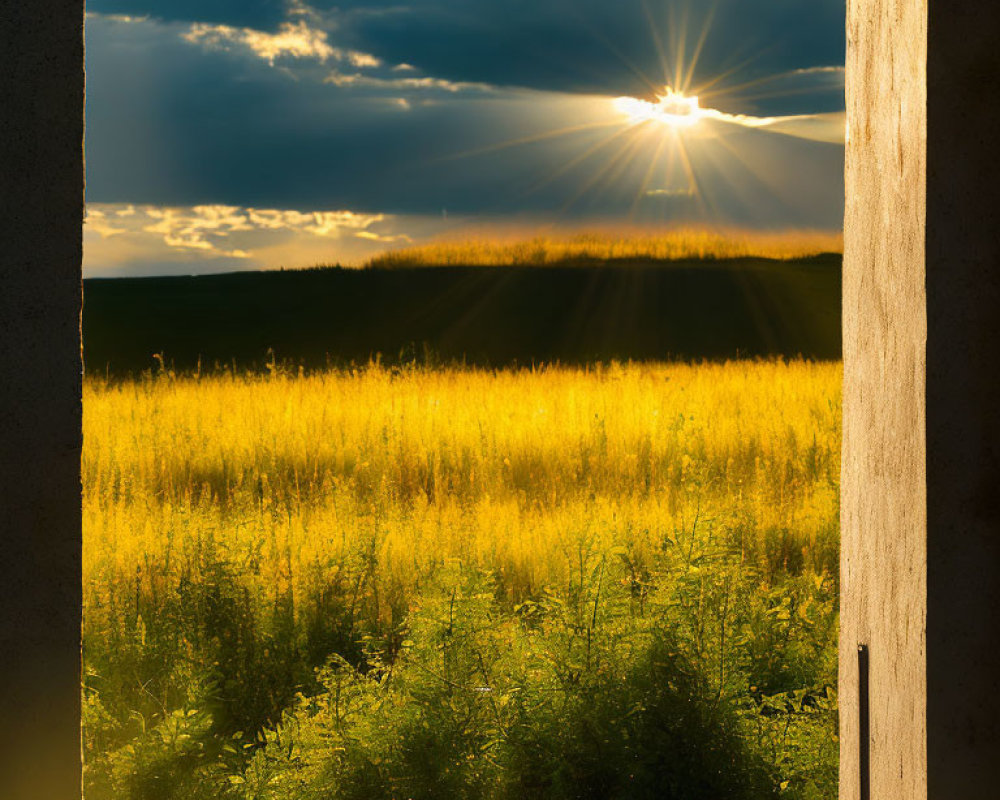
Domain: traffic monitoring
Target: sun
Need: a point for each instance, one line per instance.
(674, 109)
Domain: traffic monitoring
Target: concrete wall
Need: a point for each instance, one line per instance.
(883, 500)
(963, 400)
(920, 549)
(41, 208)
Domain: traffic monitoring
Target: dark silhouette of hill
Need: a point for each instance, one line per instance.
(488, 316)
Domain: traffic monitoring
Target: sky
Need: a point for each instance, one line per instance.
(257, 134)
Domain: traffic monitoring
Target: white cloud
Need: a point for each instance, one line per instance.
(204, 227)
(123, 238)
(293, 40)
(297, 8)
(820, 71)
(317, 223)
(338, 78)
(361, 60)
(198, 227)
(816, 127)
(119, 18)
(97, 221)
(677, 111)
(372, 236)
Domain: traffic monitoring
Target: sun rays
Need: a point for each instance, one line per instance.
(673, 108)
(690, 132)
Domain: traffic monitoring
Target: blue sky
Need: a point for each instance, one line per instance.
(241, 134)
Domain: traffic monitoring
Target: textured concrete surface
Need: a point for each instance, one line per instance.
(883, 500)
(963, 400)
(41, 206)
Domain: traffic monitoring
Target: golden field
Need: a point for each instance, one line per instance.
(242, 530)
(596, 246)
(488, 467)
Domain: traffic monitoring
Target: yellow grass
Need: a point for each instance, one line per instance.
(495, 250)
(296, 479)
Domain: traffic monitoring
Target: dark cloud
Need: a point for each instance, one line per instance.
(173, 122)
(260, 14)
(559, 45)
(597, 46)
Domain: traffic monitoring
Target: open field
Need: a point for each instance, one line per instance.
(613, 581)
(602, 247)
(495, 316)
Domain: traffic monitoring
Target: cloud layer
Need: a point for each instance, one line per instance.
(122, 238)
(461, 108)
(589, 46)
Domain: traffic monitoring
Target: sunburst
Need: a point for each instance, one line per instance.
(673, 108)
(663, 140)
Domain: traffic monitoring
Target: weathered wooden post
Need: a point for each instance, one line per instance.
(920, 549)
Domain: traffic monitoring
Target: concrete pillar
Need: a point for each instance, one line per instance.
(41, 210)
(920, 505)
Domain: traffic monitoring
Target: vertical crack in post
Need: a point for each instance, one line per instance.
(864, 725)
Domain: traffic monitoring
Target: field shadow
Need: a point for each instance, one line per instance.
(482, 316)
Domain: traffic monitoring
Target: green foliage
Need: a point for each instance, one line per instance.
(708, 688)
(164, 760)
(580, 698)
(488, 607)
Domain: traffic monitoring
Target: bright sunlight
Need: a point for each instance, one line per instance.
(674, 109)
